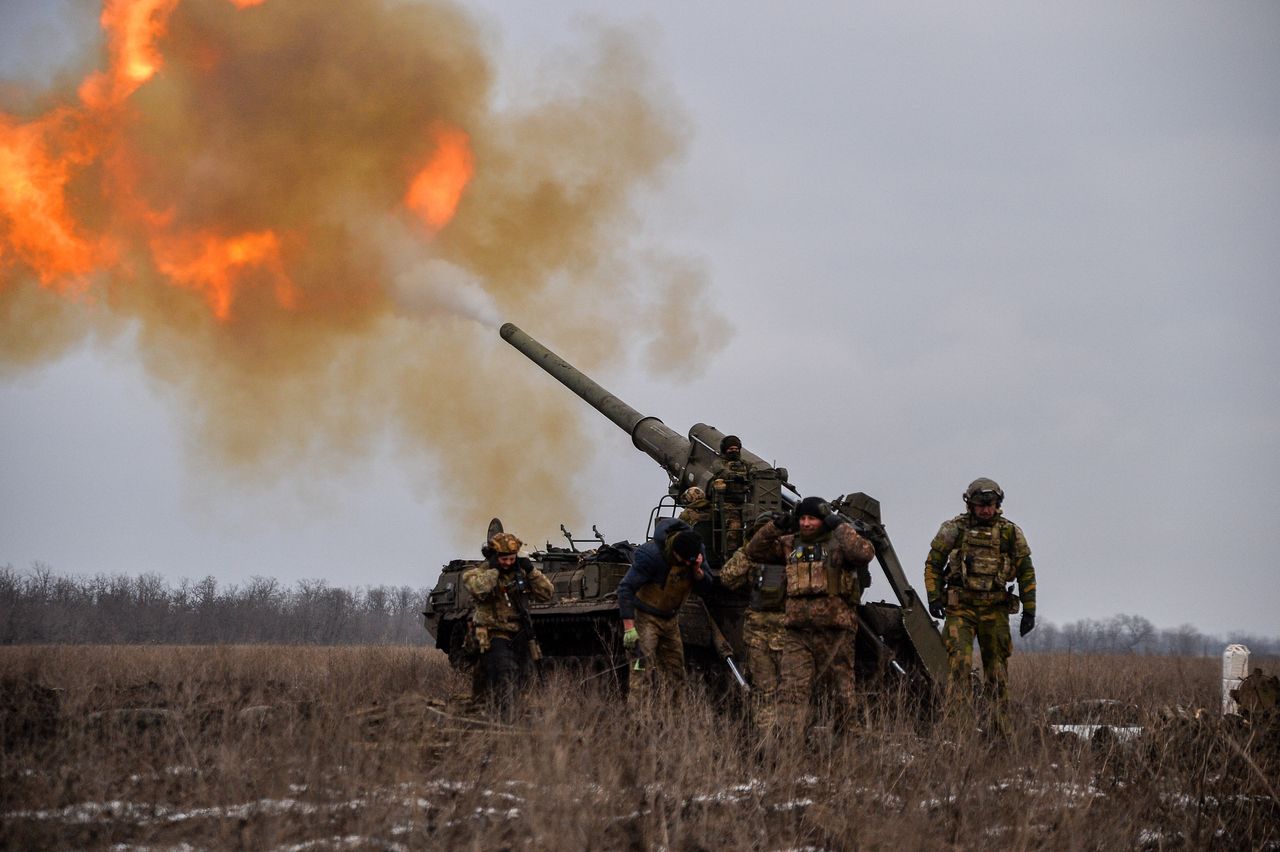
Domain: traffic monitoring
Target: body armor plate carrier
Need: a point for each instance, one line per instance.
(979, 562)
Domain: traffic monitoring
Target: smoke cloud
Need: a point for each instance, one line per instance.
(233, 185)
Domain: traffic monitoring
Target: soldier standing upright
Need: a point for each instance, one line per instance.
(764, 627)
(502, 586)
(663, 573)
(730, 483)
(825, 565)
(972, 562)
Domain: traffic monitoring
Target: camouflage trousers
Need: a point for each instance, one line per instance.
(658, 655)
(989, 624)
(763, 633)
(812, 659)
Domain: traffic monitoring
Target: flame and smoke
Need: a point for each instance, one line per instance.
(294, 203)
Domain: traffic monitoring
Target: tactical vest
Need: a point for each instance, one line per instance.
(819, 595)
(734, 475)
(499, 611)
(807, 571)
(769, 588)
(979, 562)
(665, 600)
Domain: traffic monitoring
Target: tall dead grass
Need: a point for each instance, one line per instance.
(304, 747)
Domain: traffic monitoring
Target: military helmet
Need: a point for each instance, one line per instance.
(693, 495)
(983, 492)
(505, 544)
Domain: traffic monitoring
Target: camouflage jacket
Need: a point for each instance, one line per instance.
(730, 479)
(498, 602)
(846, 551)
(736, 573)
(696, 512)
(939, 575)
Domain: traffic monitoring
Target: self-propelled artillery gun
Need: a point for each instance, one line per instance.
(581, 622)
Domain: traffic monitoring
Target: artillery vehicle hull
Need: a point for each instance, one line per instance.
(581, 622)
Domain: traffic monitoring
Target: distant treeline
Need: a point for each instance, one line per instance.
(1133, 634)
(41, 606)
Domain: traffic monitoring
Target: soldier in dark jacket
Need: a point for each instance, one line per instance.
(663, 573)
(825, 562)
(968, 576)
(502, 586)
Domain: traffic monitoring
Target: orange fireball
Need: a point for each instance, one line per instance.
(437, 188)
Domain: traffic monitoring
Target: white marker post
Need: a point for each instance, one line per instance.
(1235, 668)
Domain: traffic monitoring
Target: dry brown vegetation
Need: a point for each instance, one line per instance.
(302, 747)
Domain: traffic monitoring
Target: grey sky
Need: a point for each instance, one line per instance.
(1037, 243)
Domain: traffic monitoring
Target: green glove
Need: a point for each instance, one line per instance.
(630, 638)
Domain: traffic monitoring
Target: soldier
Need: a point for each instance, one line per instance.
(972, 562)
(729, 481)
(825, 566)
(763, 628)
(663, 573)
(697, 508)
(502, 586)
(697, 514)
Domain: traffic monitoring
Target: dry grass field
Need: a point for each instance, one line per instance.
(297, 748)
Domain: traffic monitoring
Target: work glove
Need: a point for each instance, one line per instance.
(630, 638)
(1027, 624)
(784, 521)
(937, 608)
(832, 521)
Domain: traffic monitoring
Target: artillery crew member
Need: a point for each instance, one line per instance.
(824, 564)
(663, 573)
(972, 562)
(502, 586)
(697, 514)
(763, 628)
(729, 480)
(697, 508)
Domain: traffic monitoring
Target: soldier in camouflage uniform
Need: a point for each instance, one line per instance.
(763, 629)
(697, 514)
(824, 570)
(697, 508)
(502, 586)
(729, 482)
(972, 562)
(663, 573)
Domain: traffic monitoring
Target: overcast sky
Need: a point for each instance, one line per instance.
(1035, 242)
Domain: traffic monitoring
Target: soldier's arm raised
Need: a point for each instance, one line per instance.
(735, 573)
(766, 545)
(481, 581)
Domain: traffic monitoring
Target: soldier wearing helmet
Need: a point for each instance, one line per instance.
(969, 573)
(697, 514)
(502, 586)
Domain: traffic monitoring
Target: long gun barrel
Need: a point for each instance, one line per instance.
(650, 435)
(686, 460)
